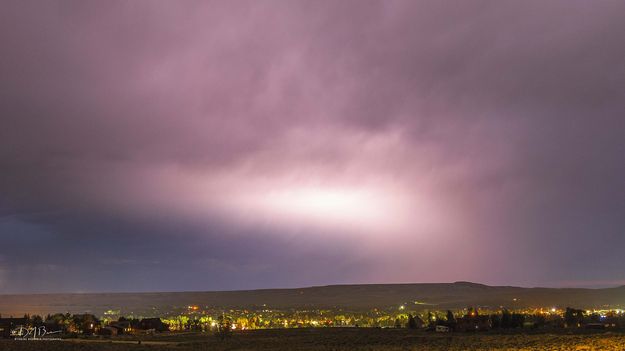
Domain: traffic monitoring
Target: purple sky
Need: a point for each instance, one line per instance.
(156, 146)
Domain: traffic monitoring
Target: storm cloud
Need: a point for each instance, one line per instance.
(223, 145)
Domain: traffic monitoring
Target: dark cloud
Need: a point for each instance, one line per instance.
(168, 138)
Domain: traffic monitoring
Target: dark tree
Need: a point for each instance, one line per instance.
(412, 323)
(595, 318)
(36, 320)
(573, 317)
(495, 320)
(224, 327)
(539, 321)
(517, 320)
(450, 317)
(506, 319)
(431, 318)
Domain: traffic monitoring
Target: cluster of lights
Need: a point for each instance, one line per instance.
(241, 323)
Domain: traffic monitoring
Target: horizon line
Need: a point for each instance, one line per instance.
(580, 286)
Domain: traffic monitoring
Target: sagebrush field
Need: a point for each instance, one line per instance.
(335, 339)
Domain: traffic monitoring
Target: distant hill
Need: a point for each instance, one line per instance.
(351, 297)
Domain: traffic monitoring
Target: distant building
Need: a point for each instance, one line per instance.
(108, 331)
(155, 324)
(85, 323)
(123, 326)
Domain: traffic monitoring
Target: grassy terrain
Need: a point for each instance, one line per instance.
(335, 339)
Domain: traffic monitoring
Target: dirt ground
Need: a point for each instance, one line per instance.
(332, 339)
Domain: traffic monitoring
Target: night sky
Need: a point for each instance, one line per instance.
(168, 146)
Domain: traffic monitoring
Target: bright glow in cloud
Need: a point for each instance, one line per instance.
(342, 207)
(326, 203)
(304, 192)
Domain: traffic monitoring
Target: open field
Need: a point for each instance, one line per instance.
(335, 339)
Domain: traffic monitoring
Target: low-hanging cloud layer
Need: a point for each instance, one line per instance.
(225, 145)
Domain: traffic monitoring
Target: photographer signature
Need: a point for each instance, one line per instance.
(32, 332)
